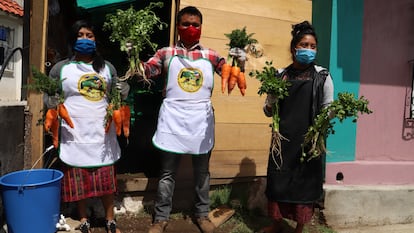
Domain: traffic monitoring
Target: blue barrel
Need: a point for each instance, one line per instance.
(31, 200)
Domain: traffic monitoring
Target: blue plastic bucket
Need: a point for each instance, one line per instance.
(31, 200)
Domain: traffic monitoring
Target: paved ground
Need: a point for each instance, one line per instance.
(395, 228)
(174, 228)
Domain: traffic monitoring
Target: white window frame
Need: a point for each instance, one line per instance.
(8, 46)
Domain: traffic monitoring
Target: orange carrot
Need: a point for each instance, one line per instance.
(234, 75)
(126, 119)
(117, 118)
(55, 132)
(64, 114)
(241, 83)
(51, 116)
(225, 74)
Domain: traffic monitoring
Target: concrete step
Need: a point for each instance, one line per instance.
(394, 228)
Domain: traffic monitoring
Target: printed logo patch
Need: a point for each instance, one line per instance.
(92, 87)
(190, 79)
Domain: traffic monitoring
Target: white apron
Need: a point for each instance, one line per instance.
(87, 144)
(186, 117)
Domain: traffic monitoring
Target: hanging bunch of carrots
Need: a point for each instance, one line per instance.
(232, 73)
(119, 113)
(43, 84)
(230, 76)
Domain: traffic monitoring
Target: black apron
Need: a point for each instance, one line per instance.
(295, 181)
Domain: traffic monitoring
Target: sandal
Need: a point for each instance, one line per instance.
(110, 226)
(85, 227)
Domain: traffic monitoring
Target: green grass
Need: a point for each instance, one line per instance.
(251, 220)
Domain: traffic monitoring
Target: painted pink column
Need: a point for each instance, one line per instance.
(384, 145)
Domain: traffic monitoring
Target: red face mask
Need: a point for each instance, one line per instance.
(190, 34)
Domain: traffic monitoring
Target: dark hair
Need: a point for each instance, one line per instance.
(299, 31)
(98, 61)
(191, 10)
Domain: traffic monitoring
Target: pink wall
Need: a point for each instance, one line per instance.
(384, 148)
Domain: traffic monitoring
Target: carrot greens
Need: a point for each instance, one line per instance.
(42, 83)
(239, 38)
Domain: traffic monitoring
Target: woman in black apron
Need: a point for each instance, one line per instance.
(293, 187)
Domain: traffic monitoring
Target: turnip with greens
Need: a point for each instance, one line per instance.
(133, 30)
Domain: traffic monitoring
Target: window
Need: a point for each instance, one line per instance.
(6, 45)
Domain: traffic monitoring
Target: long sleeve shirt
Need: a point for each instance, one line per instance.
(158, 64)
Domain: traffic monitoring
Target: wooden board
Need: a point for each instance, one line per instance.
(239, 109)
(238, 163)
(140, 183)
(230, 136)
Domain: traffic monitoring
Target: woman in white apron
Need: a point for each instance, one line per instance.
(87, 152)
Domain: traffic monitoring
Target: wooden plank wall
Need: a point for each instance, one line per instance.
(38, 29)
(242, 130)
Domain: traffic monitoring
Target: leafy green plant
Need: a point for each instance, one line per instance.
(273, 84)
(239, 38)
(345, 106)
(239, 41)
(133, 30)
(43, 83)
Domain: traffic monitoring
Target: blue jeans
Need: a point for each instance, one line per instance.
(166, 184)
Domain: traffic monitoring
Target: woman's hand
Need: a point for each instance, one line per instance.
(123, 88)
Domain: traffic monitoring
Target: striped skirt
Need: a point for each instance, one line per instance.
(82, 183)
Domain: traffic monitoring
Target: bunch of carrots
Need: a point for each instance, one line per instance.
(43, 84)
(120, 117)
(119, 113)
(51, 122)
(232, 73)
(230, 76)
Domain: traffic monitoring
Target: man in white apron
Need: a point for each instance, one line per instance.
(186, 118)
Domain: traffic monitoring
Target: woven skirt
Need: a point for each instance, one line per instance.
(82, 183)
(301, 213)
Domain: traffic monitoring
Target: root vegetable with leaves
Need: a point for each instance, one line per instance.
(346, 106)
(117, 112)
(50, 87)
(239, 40)
(133, 30)
(273, 84)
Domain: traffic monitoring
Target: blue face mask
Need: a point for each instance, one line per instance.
(85, 46)
(305, 56)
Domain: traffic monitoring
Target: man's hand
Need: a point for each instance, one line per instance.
(240, 56)
(123, 88)
(51, 101)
